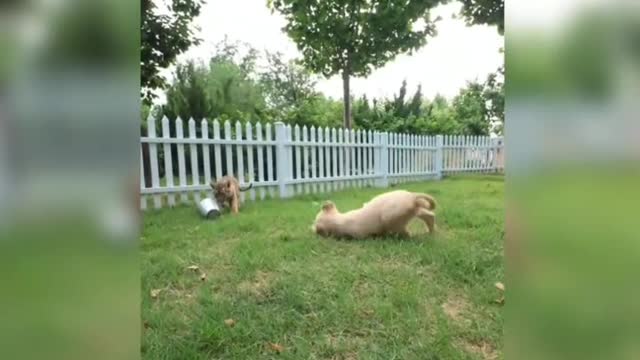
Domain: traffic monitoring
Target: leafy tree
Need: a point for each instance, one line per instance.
(163, 38)
(286, 83)
(470, 110)
(494, 95)
(188, 95)
(224, 89)
(415, 105)
(441, 118)
(398, 105)
(352, 37)
(488, 12)
(317, 110)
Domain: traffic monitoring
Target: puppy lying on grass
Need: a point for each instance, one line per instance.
(385, 214)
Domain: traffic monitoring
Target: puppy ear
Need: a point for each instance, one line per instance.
(328, 205)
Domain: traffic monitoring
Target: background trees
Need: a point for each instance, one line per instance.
(353, 37)
(163, 37)
(350, 37)
(233, 86)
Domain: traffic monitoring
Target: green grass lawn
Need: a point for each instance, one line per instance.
(293, 295)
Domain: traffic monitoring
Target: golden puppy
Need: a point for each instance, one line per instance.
(385, 214)
(227, 192)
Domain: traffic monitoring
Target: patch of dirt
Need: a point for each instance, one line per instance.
(346, 346)
(345, 356)
(455, 307)
(258, 287)
(482, 349)
(362, 289)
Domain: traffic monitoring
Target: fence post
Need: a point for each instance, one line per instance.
(381, 159)
(283, 166)
(438, 158)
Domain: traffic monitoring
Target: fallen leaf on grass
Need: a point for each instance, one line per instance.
(203, 276)
(499, 286)
(276, 347)
(193, 268)
(155, 293)
(230, 322)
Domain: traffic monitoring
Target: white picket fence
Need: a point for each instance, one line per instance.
(281, 161)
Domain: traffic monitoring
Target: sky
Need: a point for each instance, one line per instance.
(458, 53)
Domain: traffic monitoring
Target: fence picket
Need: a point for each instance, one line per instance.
(471, 153)
(370, 165)
(321, 152)
(217, 152)
(459, 152)
(447, 152)
(476, 153)
(407, 164)
(193, 150)
(298, 160)
(250, 169)
(305, 158)
(228, 149)
(421, 156)
(342, 158)
(327, 155)
(153, 159)
(335, 157)
(206, 161)
(392, 153)
(418, 153)
(240, 157)
(360, 150)
(487, 154)
(347, 158)
(182, 172)
(143, 198)
(168, 163)
(260, 159)
(416, 156)
(268, 137)
(313, 150)
(467, 155)
(354, 168)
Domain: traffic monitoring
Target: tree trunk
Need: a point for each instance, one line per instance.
(346, 99)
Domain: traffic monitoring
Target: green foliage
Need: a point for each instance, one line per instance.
(488, 12)
(233, 87)
(163, 38)
(494, 95)
(353, 37)
(225, 89)
(470, 112)
(318, 111)
(286, 83)
(470, 109)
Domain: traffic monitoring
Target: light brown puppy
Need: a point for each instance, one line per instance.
(385, 214)
(227, 192)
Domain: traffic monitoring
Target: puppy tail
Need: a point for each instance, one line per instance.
(247, 188)
(429, 199)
